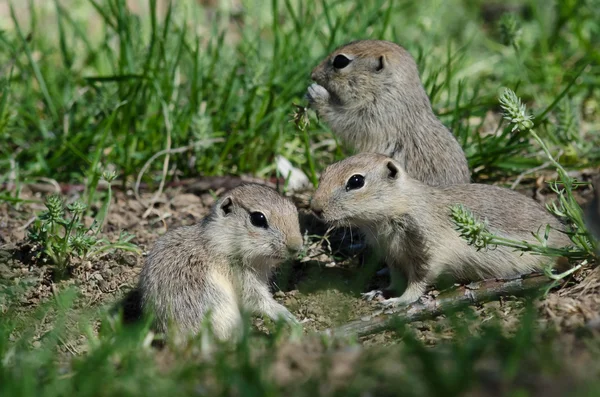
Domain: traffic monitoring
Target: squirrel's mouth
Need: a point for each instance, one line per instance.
(281, 256)
(334, 98)
(335, 221)
(273, 260)
(347, 222)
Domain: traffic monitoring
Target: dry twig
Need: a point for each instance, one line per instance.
(476, 292)
(182, 149)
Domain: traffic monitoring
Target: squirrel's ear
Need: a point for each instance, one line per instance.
(393, 171)
(381, 63)
(225, 206)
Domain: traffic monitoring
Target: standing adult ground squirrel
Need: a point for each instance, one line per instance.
(409, 222)
(371, 95)
(223, 263)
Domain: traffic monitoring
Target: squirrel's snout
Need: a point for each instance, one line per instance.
(316, 207)
(318, 212)
(295, 245)
(316, 74)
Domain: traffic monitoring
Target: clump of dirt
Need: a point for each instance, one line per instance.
(333, 366)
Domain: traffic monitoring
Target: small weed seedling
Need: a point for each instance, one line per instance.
(62, 235)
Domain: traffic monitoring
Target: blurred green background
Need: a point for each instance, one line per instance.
(87, 85)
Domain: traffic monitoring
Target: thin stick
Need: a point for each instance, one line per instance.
(28, 223)
(477, 292)
(161, 186)
(530, 171)
(183, 149)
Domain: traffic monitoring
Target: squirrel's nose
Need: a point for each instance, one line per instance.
(314, 74)
(318, 212)
(316, 208)
(295, 245)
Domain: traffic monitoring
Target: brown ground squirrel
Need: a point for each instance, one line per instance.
(592, 212)
(371, 95)
(409, 222)
(223, 263)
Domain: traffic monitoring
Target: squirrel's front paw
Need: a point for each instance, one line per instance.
(285, 315)
(369, 296)
(403, 300)
(394, 302)
(316, 94)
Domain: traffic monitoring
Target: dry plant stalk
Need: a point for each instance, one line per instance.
(450, 299)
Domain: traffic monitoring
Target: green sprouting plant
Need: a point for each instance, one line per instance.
(300, 117)
(302, 121)
(474, 230)
(62, 235)
(477, 233)
(567, 126)
(566, 206)
(515, 111)
(510, 30)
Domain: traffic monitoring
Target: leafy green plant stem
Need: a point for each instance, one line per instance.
(572, 209)
(309, 156)
(62, 236)
(67, 233)
(566, 273)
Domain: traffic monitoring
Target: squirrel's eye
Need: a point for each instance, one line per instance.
(340, 62)
(355, 182)
(259, 219)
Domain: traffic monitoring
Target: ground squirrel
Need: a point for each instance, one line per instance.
(223, 263)
(592, 212)
(370, 94)
(409, 222)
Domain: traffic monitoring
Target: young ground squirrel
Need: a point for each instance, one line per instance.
(370, 94)
(223, 263)
(409, 222)
(592, 212)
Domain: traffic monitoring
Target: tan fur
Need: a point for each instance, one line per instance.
(378, 104)
(222, 264)
(592, 212)
(409, 222)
